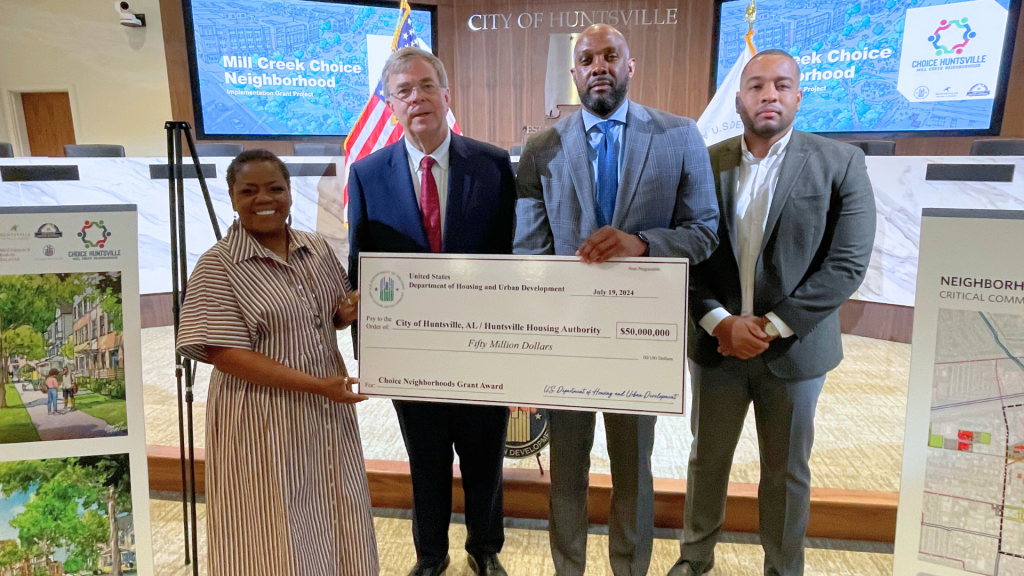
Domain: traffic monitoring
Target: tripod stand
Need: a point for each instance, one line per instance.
(184, 367)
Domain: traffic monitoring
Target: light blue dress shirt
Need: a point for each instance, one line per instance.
(594, 136)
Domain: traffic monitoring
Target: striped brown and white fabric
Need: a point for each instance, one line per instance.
(285, 478)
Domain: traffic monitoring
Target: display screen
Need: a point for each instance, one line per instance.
(289, 69)
(887, 66)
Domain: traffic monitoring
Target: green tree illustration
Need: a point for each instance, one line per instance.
(21, 341)
(31, 299)
(24, 341)
(67, 349)
(70, 508)
(11, 552)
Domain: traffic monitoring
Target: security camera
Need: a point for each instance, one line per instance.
(126, 16)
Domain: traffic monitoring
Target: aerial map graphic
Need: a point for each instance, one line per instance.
(288, 66)
(973, 510)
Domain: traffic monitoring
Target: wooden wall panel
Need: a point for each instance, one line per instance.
(498, 76)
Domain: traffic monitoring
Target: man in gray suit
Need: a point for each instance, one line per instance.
(798, 224)
(613, 180)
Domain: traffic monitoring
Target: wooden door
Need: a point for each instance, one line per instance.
(48, 122)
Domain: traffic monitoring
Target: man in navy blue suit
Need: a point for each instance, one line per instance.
(435, 191)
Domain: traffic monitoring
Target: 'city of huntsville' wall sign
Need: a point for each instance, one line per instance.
(574, 19)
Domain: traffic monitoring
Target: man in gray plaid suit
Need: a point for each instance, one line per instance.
(616, 179)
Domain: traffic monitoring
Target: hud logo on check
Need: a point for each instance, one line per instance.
(528, 433)
(386, 289)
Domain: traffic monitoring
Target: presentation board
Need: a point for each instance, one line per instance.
(927, 67)
(961, 508)
(289, 69)
(74, 479)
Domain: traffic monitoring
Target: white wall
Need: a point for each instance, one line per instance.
(116, 76)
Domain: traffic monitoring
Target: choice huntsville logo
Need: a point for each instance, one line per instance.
(961, 24)
(101, 234)
(387, 289)
(94, 234)
(955, 58)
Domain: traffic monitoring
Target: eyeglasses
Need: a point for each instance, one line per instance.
(405, 93)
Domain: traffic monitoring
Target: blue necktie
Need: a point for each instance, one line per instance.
(607, 174)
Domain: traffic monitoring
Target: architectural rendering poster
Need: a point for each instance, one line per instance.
(961, 505)
(74, 487)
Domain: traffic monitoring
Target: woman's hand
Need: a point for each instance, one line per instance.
(339, 389)
(348, 309)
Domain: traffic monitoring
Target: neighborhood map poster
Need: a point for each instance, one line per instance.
(74, 485)
(961, 507)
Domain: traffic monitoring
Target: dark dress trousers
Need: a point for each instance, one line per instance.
(479, 219)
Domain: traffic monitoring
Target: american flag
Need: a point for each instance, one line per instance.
(377, 127)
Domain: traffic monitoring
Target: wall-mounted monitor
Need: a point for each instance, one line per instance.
(289, 69)
(884, 67)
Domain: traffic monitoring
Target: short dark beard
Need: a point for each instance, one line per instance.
(604, 105)
(765, 132)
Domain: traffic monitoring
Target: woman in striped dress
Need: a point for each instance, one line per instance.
(286, 485)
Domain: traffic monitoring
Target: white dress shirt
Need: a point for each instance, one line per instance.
(754, 192)
(439, 170)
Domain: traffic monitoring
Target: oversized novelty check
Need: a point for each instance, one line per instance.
(543, 331)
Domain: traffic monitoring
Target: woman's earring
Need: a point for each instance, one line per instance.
(289, 218)
(236, 219)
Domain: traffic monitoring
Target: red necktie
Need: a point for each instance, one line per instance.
(430, 205)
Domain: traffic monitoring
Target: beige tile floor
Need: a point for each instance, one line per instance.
(527, 553)
(859, 436)
(859, 425)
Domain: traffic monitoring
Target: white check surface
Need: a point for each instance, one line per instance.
(543, 331)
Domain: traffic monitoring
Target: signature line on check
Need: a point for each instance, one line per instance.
(612, 399)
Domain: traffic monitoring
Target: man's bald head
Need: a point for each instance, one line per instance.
(780, 55)
(602, 69)
(601, 32)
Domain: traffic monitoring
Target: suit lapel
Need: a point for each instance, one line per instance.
(729, 180)
(792, 164)
(458, 189)
(635, 145)
(575, 146)
(404, 193)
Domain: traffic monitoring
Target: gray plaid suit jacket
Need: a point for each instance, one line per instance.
(667, 189)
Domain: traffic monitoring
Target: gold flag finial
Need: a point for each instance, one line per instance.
(750, 17)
